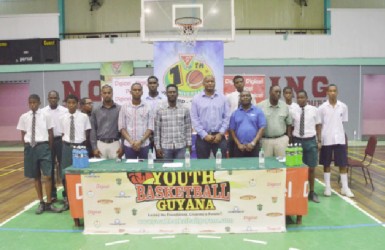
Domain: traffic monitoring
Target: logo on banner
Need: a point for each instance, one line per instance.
(187, 74)
(180, 191)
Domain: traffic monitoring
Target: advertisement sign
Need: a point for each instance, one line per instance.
(110, 70)
(122, 86)
(186, 67)
(253, 83)
(242, 201)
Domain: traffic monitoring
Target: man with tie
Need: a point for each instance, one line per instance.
(37, 135)
(74, 127)
(307, 128)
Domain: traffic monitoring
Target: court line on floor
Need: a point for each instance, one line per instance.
(12, 165)
(11, 171)
(354, 204)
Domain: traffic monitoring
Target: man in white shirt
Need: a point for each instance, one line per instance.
(307, 128)
(333, 113)
(74, 126)
(288, 95)
(234, 100)
(154, 99)
(55, 111)
(36, 133)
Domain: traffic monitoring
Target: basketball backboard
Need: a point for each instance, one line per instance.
(158, 19)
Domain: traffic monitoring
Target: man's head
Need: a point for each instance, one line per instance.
(86, 105)
(172, 93)
(34, 102)
(245, 98)
(136, 91)
(275, 93)
(288, 94)
(53, 98)
(152, 84)
(302, 98)
(239, 83)
(107, 93)
(332, 92)
(209, 83)
(72, 103)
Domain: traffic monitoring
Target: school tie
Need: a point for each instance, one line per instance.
(72, 130)
(33, 135)
(302, 123)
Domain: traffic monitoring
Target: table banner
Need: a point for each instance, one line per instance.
(242, 201)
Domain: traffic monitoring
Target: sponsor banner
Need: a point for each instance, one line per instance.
(253, 83)
(297, 186)
(244, 201)
(174, 63)
(122, 87)
(110, 70)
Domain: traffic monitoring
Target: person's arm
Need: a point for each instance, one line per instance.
(50, 138)
(94, 129)
(157, 135)
(188, 129)
(196, 123)
(22, 136)
(318, 129)
(240, 146)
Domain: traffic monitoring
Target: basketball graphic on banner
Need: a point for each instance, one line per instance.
(188, 74)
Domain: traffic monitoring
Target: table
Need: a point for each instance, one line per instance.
(263, 189)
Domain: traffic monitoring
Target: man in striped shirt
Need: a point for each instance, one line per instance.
(172, 132)
(136, 124)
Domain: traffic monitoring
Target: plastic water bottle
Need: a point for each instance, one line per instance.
(218, 159)
(187, 158)
(75, 162)
(150, 159)
(261, 158)
(85, 160)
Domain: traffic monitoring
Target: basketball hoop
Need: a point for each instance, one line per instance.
(188, 29)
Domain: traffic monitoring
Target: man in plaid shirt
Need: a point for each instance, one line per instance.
(136, 124)
(172, 132)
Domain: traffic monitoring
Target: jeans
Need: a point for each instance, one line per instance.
(177, 153)
(132, 154)
(204, 148)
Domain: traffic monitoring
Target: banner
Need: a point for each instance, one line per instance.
(174, 63)
(122, 87)
(242, 201)
(253, 83)
(110, 70)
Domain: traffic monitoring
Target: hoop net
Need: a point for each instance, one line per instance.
(188, 29)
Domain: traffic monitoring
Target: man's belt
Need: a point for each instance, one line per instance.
(304, 139)
(73, 144)
(108, 140)
(273, 137)
(36, 144)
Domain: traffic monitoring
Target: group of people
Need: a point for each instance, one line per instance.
(163, 124)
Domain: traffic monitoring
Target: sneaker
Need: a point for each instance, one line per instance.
(347, 192)
(66, 204)
(40, 209)
(313, 197)
(49, 207)
(328, 191)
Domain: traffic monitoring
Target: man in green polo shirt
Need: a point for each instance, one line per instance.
(278, 129)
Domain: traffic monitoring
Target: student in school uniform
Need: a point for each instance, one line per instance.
(74, 127)
(37, 136)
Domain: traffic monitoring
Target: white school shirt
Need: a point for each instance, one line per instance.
(233, 100)
(55, 114)
(332, 122)
(43, 123)
(292, 107)
(312, 118)
(82, 123)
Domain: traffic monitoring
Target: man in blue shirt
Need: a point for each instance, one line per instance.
(210, 115)
(247, 125)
